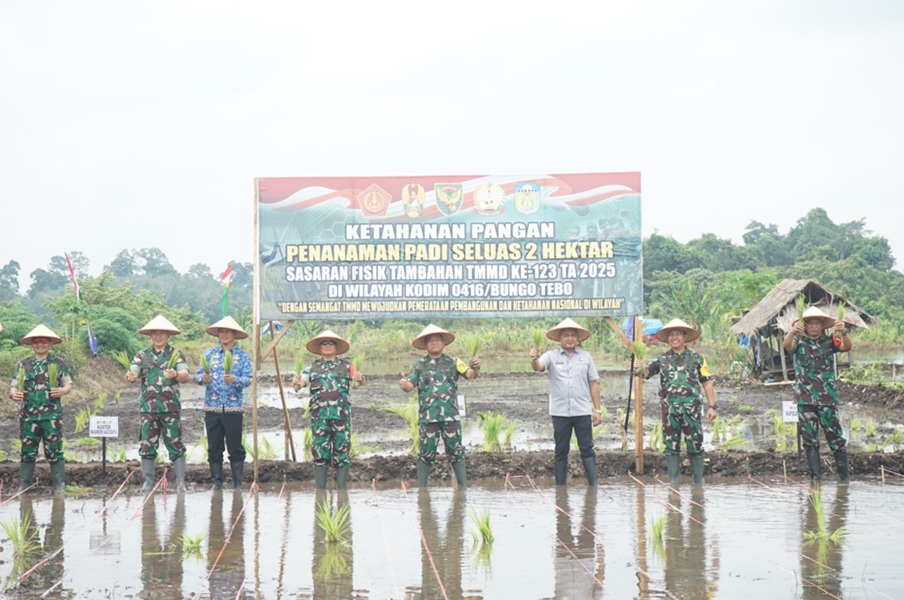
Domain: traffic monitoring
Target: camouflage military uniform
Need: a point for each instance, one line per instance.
(330, 411)
(436, 381)
(814, 385)
(41, 417)
(681, 377)
(160, 406)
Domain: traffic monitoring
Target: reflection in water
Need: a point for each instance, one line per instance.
(226, 547)
(685, 554)
(579, 561)
(445, 554)
(820, 560)
(161, 567)
(333, 560)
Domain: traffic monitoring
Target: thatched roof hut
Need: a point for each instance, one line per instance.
(766, 324)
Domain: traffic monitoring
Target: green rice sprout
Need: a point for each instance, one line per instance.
(408, 413)
(227, 363)
(539, 338)
(639, 349)
(656, 442)
(473, 343)
(482, 532)
(307, 440)
(86, 441)
(205, 364)
(81, 419)
(299, 365)
(656, 535)
(53, 376)
(74, 490)
(871, 428)
(122, 358)
(174, 360)
(841, 310)
(266, 449)
(23, 537)
(493, 424)
(334, 523)
(119, 456)
(116, 398)
(191, 545)
(99, 403)
(2, 455)
(801, 303)
(21, 377)
(357, 365)
(822, 532)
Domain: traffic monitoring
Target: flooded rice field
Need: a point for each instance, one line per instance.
(734, 538)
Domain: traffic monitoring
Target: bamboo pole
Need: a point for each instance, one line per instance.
(638, 406)
(287, 424)
(254, 363)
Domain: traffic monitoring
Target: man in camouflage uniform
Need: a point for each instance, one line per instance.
(814, 385)
(161, 369)
(436, 378)
(330, 379)
(41, 415)
(223, 401)
(683, 374)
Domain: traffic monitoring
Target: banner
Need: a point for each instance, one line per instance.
(424, 247)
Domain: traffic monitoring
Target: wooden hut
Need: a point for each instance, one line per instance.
(762, 329)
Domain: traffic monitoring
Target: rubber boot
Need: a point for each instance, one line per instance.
(320, 476)
(216, 476)
(58, 476)
(841, 462)
(697, 468)
(238, 473)
(590, 469)
(26, 475)
(561, 472)
(461, 473)
(813, 464)
(673, 462)
(342, 478)
(423, 473)
(179, 469)
(148, 468)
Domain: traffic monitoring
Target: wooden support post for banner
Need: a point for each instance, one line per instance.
(781, 352)
(638, 406)
(290, 444)
(255, 354)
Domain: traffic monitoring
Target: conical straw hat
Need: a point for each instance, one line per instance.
(815, 313)
(227, 323)
(159, 323)
(41, 331)
(556, 332)
(313, 344)
(690, 334)
(421, 343)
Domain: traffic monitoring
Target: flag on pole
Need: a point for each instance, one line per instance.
(72, 273)
(92, 341)
(226, 281)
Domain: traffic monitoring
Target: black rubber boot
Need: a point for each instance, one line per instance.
(148, 471)
(814, 465)
(423, 474)
(461, 473)
(697, 468)
(590, 469)
(26, 475)
(320, 476)
(216, 476)
(58, 476)
(342, 478)
(238, 472)
(673, 462)
(179, 470)
(841, 462)
(561, 472)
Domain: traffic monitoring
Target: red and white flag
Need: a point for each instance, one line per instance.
(72, 273)
(225, 277)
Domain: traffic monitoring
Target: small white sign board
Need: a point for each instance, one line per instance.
(789, 411)
(103, 427)
(462, 407)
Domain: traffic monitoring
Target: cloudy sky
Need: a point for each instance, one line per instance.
(128, 125)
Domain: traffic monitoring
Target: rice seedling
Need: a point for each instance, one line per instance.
(299, 366)
(822, 532)
(408, 413)
(539, 338)
(123, 359)
(227, 363)
(871, 428)
(856, 424)
(334, 523)
(801, 303)
(656, 535)
(74, 490)
(2, 455)
(493, 425)
(116, 398)
(205, 364)
(81, 419)
(53, 376)
(717, 429)
(191, 545)
(21, 379)
(99, 403)
(307, 440)
(473, 344)
(656, 442)
(507, 435)
(481, 532)
(639, 349)
(357, 364)
(23, 537)
(174, 360)
(86, 441)
(735, 440)
(118, 456)
(265, 449)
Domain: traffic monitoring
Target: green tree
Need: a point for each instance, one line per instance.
(9, 281)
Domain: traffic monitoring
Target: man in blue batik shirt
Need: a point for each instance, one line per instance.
(226, 371)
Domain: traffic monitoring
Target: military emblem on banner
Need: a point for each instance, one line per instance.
(449, 197)
(374, 201)
(413, 197)
(527, 198)
(488, 199)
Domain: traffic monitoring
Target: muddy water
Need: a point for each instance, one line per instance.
(738, 539)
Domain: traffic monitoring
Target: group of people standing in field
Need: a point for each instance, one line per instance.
(41, 380)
